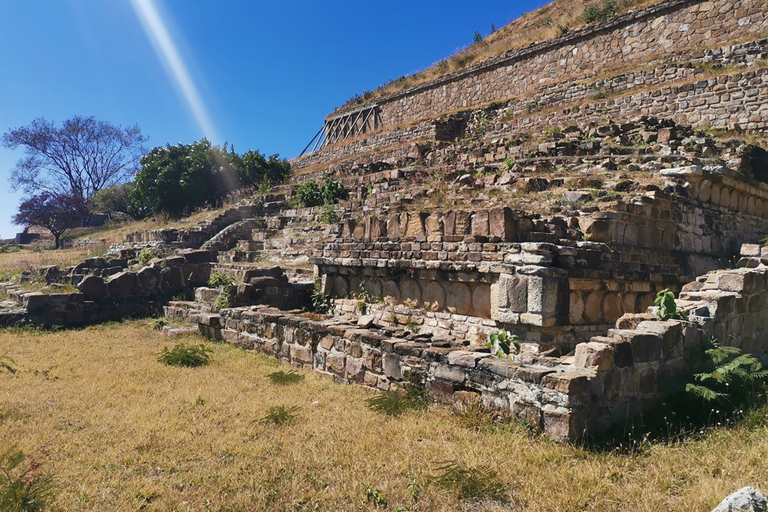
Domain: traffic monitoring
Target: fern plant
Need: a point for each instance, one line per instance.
(322, 303)
(733, 379)
(665, 301)
(22, 490)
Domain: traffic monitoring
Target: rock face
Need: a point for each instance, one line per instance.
(747, 499)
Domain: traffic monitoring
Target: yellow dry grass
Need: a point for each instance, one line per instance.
(119, 431)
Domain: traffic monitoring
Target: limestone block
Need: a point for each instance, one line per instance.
(569, 383)
(450, 374)
(449, 223)
(301, 354)
(341, 286)
(410, 290)
(373, 360)
(458, 297)
(502, 224)
(198, 256)
(666, 134)
(612, 307)
(598, 230)
(515, 294)
(434, 295)
(463, 223)
(122, 284)
(528, 411)
(563, 424)
(391, 290)
(481, 300)
(480, 223)
(433, 225)
(378, 228)
(348, 227)
(93, 287)
(393, 227)
(336, 362)
(414, 229)
(359, 232)
(750, 250)
(391, 366)
(736, 282)
(355, 369)
(576, 310)
(594, 356)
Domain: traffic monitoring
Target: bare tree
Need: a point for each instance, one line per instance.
(57, 213)
(82, 157)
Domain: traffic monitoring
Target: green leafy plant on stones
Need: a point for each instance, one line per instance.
(328, 215)
(144, 257)
(224, 300)
(279, 415)
(322, 303)
(218, 279)
(469, 482)
(22, 489)
(501, 343)
(185, 355)
(282, 378)
(665, 301)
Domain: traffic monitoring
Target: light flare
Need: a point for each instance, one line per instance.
(166, 50)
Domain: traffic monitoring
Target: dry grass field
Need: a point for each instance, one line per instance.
(117, 430)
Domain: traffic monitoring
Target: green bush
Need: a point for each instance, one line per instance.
(185, 355)
(22, 490)
(158, 323)
(145, 256)
(218, 279)
(309, 195)
(600, 12)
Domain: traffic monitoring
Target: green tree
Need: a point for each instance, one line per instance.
(57, 213)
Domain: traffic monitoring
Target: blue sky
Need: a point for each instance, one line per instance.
(259, 75)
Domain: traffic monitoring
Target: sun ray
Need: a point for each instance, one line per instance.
(169, 55)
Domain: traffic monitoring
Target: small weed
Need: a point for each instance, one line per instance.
(279, 415)
(158, 323)
(469, 482)
(6, 365)
(328, 215)
(22, 490)
(185, 355)
(373, 495)
(224, 300)
(282, 378)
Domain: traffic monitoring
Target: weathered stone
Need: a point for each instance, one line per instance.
(149, 279)
(502, 225)
(122, 284)
(93, 287)
(594, 356)
(480, 223)
(746, 499)
(172, 279)
(458, 298)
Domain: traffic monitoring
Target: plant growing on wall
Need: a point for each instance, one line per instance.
(665, 301)
(501, 343)
(732, 379)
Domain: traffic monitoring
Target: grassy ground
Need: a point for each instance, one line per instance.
(119, 431)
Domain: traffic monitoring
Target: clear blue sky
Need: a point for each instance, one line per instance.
(260, 75)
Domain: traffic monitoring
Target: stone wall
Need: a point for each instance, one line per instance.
(605, 380)
(629, 40)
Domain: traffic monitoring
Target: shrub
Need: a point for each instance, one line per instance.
(279, 415)
(309, 195)
(185, 355)
(224, 300)
(600, 12)
(328, 215)
(282, 378)
(218, 279)
(22, 490)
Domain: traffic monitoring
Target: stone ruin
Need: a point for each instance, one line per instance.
(551, 192)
